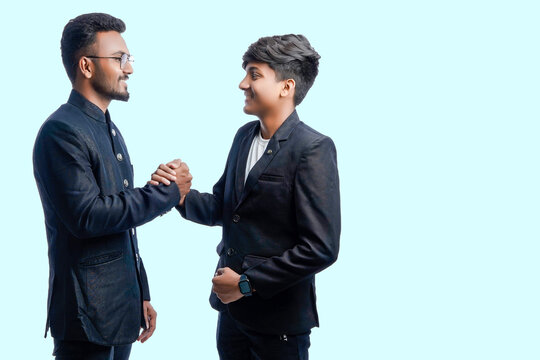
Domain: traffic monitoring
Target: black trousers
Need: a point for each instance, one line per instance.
(84, 350)
(236, 342)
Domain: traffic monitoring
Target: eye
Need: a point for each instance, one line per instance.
(254, 76)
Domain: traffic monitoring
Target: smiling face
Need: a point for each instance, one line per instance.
(109, 79)
(261, 88)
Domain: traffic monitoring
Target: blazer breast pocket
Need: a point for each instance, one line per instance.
(271, 178)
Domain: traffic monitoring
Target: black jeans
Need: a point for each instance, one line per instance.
(84, 350)
(236, 342)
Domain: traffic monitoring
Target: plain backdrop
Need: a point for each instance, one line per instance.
(432, 106)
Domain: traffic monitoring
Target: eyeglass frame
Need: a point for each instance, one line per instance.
(129, 58)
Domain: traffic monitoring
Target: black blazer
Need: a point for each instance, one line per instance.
(97, 280)
(280, 229)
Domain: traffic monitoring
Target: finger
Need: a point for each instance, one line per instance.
(152, 182)
(220, 271)
(167, 169)
(161, 179)
(143, 335)
(153, 319)
(165, 174)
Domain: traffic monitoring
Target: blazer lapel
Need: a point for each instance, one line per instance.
(271, 151)
(241, 160)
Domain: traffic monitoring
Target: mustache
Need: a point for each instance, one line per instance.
(124, 77)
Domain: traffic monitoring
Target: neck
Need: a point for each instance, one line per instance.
(271, 122)
(91, 95)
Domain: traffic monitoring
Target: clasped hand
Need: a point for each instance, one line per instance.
(175, 171)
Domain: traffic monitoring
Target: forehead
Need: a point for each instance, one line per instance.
(110, 42)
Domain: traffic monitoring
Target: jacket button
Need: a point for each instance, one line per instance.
(236, 218)
(269, 152)
(230, 251)
(113, 132)
(126, 183)
(119, 157)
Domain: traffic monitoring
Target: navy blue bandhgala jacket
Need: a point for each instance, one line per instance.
(97, 280)
(280, 228)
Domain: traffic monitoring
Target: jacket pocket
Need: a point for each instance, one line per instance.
(101, 259)
(271, 178)
(252, 261)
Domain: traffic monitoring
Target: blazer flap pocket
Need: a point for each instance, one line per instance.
(270, 177)
(101, 259)
(252, 260)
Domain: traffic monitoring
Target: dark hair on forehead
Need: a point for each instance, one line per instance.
(80, 33)
(290, 56)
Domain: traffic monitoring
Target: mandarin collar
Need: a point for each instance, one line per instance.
(89, 108)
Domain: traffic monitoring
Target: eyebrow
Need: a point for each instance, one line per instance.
(252, 68)
(120, 52)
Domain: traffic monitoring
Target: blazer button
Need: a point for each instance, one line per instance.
(236, 218)
(113, 132)
(126, 183)
(230, 251)
(119, 157)
(269, 152)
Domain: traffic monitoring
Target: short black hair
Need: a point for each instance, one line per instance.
(80, 33)
(290, 56)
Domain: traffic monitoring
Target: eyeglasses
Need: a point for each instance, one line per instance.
(123, 59)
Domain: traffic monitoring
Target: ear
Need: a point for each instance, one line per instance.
(86, 67)
(287, 88)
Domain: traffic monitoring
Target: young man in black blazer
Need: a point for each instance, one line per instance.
(278, 202)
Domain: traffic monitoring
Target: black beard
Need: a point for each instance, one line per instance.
(109, 93)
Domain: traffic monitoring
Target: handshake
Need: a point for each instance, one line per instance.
(175, 171)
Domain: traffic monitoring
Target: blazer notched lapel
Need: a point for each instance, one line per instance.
(241, 161)
(270, 153)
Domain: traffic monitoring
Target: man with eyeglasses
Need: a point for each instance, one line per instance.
(98, 291)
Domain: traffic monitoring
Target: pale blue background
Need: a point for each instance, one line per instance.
(433, 108)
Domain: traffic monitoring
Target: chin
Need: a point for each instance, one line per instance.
(248, 111)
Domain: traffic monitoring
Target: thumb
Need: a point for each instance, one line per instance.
(145, 308)
(175, 164)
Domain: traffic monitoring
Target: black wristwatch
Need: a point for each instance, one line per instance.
(245, 285)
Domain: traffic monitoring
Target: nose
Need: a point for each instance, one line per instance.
(243, 84)
(128, 68)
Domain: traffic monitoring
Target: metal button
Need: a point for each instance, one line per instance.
(126, 183)
(137, 257)
(236, 218)
(133, 232)
(269, 151)
(113, 132)
(119, 157)
(230, 251)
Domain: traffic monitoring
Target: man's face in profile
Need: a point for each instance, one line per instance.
(110, 79)
(261, 88)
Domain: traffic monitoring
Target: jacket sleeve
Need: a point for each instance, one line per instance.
(318, 218)
(64, 171)
(205, 208)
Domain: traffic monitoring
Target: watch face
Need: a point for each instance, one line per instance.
(244, 287)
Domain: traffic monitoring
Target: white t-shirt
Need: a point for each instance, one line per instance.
(258, 145)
